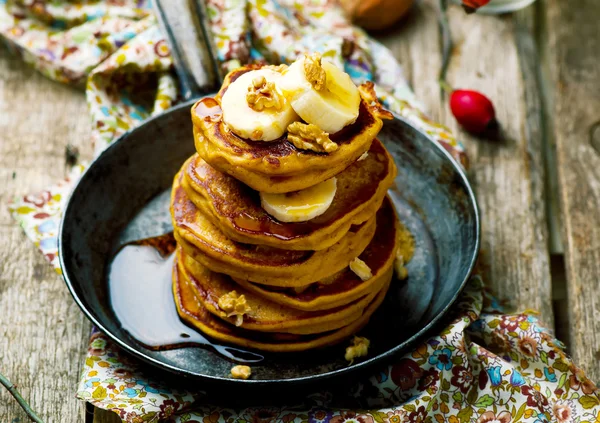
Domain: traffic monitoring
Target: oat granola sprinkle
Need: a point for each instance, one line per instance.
(263, 95)
(310, 137)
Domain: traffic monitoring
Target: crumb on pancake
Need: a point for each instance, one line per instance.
(310, 137)
(363, 156)
(361, 269)
(315, 74)
(358, 348)
(405, 243)
(234, 305)
(241, 372)
(263, 95)
(399, 269)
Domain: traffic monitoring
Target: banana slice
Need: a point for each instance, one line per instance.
(330, 104)
(265, 123)
(300, 206)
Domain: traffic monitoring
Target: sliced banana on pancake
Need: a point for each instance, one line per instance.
(254, 107)
(300, 206)
(321, 93)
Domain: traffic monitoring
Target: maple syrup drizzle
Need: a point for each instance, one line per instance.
(139, 282)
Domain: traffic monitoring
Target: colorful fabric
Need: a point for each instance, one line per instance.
(486, 366)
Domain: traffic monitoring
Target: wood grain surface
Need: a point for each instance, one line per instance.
(43, 335)
(574, 56)
(507, 174)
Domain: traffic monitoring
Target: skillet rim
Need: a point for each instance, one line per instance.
(362, 366)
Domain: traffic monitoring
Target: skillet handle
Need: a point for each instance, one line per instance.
(184, 24)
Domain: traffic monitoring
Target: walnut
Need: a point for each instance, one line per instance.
(277, 68)
(401, 271)
(241, 372)
(367, 92)
(358, 348)
(310, 137)
(234, 305)
(263, 95)
(315, 74)
(361, 269)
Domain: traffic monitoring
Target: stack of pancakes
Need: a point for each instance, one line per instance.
(298, 289)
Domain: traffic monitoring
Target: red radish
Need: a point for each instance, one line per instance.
(474, 111)
(472, 5)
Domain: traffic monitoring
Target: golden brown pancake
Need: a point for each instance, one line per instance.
(275, 166)
(265, 315)
(345, 286)
(236, 210)
(193, 313)
(206, 244)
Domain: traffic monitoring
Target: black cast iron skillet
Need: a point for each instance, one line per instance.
(131, 179)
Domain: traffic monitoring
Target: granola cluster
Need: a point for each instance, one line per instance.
(310, 137)
(263, 95)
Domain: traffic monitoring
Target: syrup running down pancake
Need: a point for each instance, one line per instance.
(236, 209)
(194, 314)
(345, 286)
(264, 315)
(267, 265)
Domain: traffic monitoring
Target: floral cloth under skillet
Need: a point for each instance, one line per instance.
(486, 366)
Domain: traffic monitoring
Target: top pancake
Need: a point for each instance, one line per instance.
(236, 210)
(276, 166)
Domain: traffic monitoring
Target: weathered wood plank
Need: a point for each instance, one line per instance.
(495, 56)
(43, 335)
(574, 56)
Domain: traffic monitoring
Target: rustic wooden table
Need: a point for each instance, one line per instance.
(538, 190)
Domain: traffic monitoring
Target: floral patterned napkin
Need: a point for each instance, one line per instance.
(486, 366)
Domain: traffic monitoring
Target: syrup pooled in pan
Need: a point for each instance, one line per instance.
(139, 284)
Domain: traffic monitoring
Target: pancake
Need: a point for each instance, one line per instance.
(276, 166)
(206, 244)
(236, 210)
(345, 287)
(265, 315)
(193, 313)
